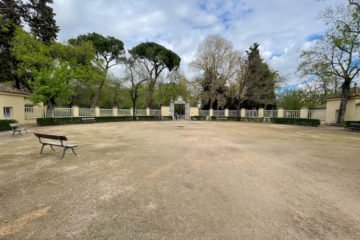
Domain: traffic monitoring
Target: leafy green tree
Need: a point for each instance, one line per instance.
(10, 18)
(155, 59)
(55, 68)
(296, 99)
(174, 85)
(41, 19)
(109, 52)
(260, 81)
(337, 54)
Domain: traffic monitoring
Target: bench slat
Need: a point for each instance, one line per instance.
(51, 136)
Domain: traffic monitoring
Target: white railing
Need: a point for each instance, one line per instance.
(270, 113)
(123, 112)
(291, 113)
(155, 112)
(62, 112)
(251, 113)
(204, 113)
(140, 112)
(106, 112)
(234, 113)
(317, 114)
(219, 113)
(87, 112)
(33, 113)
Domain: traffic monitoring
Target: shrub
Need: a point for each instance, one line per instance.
(4, 124)
(247, 119)
(347, 123)
(198, 118)
(213, 118)
(77, 120)
(297, 121)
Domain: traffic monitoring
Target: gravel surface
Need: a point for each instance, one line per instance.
(182, 180)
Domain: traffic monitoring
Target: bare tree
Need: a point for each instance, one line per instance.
(216, 59)
(337, 54)
(136, 76)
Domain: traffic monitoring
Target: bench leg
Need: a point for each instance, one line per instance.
(52, 148)
(42, 148)
(13, 132)
(72, 149)
(62, 157)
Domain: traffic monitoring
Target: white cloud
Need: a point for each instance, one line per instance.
(282, 27)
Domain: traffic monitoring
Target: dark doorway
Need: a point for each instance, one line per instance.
(179, 111)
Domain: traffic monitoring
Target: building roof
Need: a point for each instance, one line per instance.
(7, 89)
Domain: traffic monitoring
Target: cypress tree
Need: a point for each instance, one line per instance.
(10, 18)
(41, 19)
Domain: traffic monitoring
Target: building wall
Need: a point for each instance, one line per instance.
(17, 102)
(165, 111)
(194, 111)
(352, 110)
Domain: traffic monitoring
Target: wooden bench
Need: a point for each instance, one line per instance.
(88, 119)
(59, 142)
(354, 126)
(16, 127)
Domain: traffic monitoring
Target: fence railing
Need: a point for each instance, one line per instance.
(59, 112)
(124, 112)
(33, 113)
(87, 112)
(251, 113)
(291, 113)
(106, 112)
(140, 112)
(270, 113)
(317, 114)
(219, 113)
(155, 112)
(204, 113)
(234, 113)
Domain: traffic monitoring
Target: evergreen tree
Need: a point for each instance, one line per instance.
(10, 19)
(260, 82)
(41, 19)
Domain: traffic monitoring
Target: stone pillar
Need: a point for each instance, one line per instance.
(226, 112)
(187, 111)
(304, 112)
(97, 112)
(243, 112)
(147, 111)
(261, 113)
(211, 112)
(280, 113)
(172, 109)
(131, 111)
(115, 111)
(75, 111)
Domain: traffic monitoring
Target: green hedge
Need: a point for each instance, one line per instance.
(297, 121)
(4, 124)
(247, 119)
(347, 123)
(77, 120)
(214, 118)
(198, 118)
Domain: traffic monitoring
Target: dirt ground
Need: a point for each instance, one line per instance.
(182, 180)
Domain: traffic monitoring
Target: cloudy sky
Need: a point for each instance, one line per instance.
(282, 27)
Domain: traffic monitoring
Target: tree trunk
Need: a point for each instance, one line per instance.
(97, 94)
(149, 100)
(344, 100)
(134, 109)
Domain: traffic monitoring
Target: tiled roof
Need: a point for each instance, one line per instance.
(6, 89)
